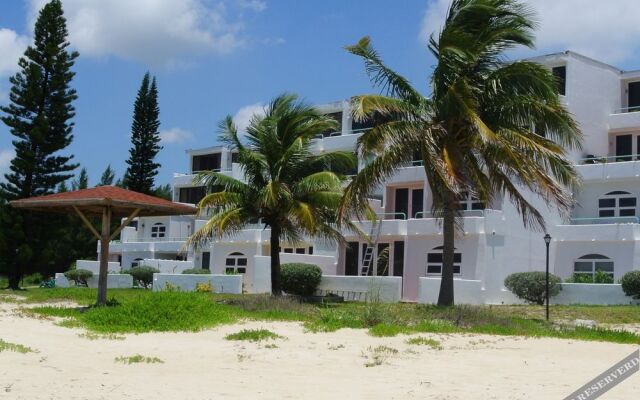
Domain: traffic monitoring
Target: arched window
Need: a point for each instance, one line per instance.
(236, 263)
(136, 262)
(591, 263)
(434, 261)
(469, 202)
(158, 230)
(617, 204)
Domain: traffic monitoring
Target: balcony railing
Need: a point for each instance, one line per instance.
(605, 220)
(465, 213)
(339, 133)
(625, 110)
(609, 159)
(155, 239)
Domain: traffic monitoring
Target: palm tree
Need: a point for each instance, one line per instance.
(476, 132)
(292, 191)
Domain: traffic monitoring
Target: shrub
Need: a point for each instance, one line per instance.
(300, 279)
(631, 284)
(196, 271)
(33, 279)
(142, 275)
(78, 276)
(599, 277)
(530, 286)
(204, 287)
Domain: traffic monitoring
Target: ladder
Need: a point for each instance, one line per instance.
(367, 260)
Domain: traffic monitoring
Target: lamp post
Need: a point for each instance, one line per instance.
(547, 241)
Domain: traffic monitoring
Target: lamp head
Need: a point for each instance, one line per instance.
(547, 238)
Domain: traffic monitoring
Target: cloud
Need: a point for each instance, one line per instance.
(255, 5)
(156, 32)
(6, 155)
(12, 47)
(175, 135)
(607, 31)
(243, 117)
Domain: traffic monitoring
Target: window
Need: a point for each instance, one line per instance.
(206, 162)
(434, 262)
(591, 263)
(158, 230)
(236, 263)
(337, 131)
(297, 250)
(617, 204)
(560, 73)
(192, 195)
(136, 262)
(470, 202)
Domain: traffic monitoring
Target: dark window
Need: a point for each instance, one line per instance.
(192, 195)
(337, 130)
(434, 261)
(310, 249)
(623, 147)
(206, 162)
(417, 196)
(351, 259)
(235, 157)
(634, 96)
(398, 258)
(402, 202)
(300, 250)
(607, 202)
(560, 73)
(158, 230)
(230, 261)
(242, 270)
(206, 260)
(382, 262)
(242, 261)
(288, 250)
(370, 122)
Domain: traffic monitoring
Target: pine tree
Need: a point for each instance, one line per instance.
(145, 139)
(163, 191)
(82, 182)
(108, 176)
(39, 117)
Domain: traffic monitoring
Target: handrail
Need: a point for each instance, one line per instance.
(383, 216)
(465, 213)
(339, 133)
(608, 159)
(605, 220)
(624, 110)
(156, 239)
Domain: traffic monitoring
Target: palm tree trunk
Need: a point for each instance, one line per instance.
(445, 298)
(276, 288)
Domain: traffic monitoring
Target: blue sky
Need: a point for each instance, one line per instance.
(214, 58)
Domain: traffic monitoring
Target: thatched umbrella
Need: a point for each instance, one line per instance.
(108, 202)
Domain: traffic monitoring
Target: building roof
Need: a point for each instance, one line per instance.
(92, 201)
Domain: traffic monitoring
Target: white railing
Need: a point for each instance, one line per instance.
(625, 110)
(609, 159)
(155, 239)
(339, 133)
(604, 220)
(465, 213)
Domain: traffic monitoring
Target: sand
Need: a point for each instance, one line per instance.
(204, 365)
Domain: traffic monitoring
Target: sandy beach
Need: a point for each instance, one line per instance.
(204, 365)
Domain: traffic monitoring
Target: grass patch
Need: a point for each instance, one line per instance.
(17, 348)
(378, 355)
(253, 335)
(98, 336)
(423, 341)
(137, 311)
(137, 359)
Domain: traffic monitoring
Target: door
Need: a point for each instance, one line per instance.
(634, 96)
(417, 196)
(624, 147)
(206, 260)
(402, 202)
(351, 259)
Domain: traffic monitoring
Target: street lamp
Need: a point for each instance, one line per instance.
(547, 241)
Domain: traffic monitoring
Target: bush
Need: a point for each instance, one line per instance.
(78, 276)
(204, 287)
(196, 271)
(530, 286)
(142, 275)
(599, 277)
(631, 284)
(300, 279)
(32, 279)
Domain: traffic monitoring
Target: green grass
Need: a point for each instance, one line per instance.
(18, 348)
(423, 341)
(253, 335)
(137, 311)
(138, 358)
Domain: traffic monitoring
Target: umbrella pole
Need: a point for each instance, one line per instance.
(104, 255)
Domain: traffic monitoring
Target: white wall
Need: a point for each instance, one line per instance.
(260, 279)
(389, 288)
(328, 264)
(591, 293)
(168, 266)
(465, 291)
(187, 283)
(94, 266)
(114, 281)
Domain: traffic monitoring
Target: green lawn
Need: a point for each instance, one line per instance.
(145, 311)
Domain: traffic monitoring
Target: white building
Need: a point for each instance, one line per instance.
(603, 232)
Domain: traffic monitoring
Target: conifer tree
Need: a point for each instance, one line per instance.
(39, 116)
(82, 181)
(145, 139)
(108, 176)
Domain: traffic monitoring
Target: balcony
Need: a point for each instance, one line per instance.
(337, 141)
(625, 118)
(609, 168)
(604, 229)
(186, 179)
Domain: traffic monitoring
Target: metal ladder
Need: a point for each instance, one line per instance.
(367, 260)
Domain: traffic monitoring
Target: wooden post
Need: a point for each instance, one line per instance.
(104, 255)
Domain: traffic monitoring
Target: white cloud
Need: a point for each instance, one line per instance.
(175, 135)
(12, 47)
(157, 32)
(607, 31)
(6, 156)
(255, 5)
(243, 117)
